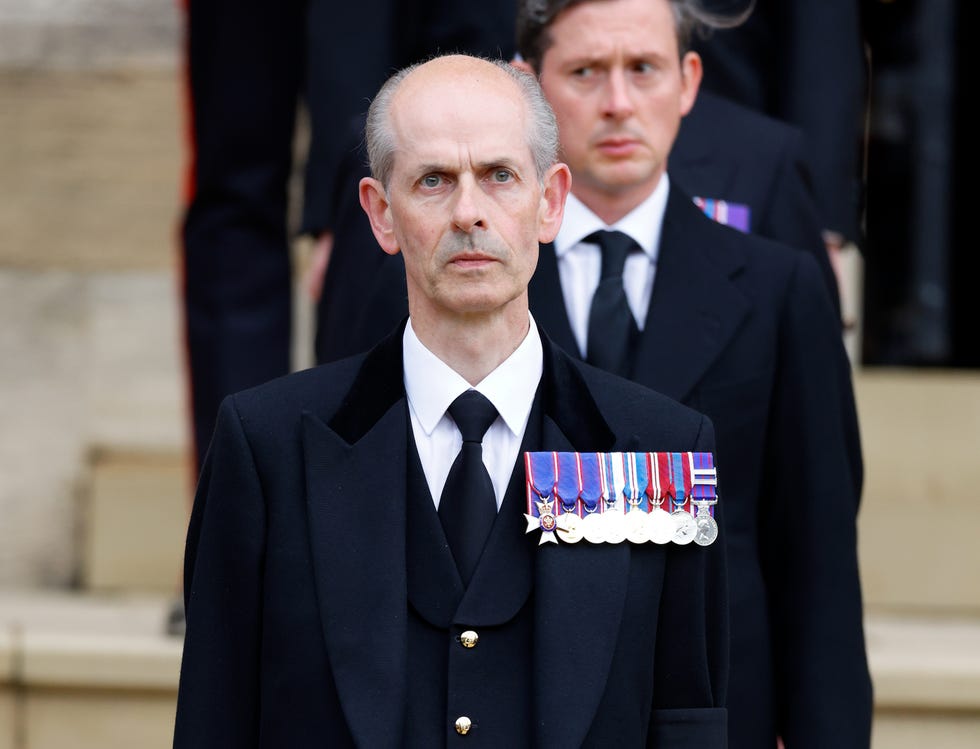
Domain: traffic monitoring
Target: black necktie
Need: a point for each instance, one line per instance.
(468, 505)
(612, 328)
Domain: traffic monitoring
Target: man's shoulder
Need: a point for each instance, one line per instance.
(318, 389)
(725, 244)
(766, 271)
(742, 132)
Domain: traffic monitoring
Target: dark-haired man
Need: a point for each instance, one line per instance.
(736, 326)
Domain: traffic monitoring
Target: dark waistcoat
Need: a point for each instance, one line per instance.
(491, 682)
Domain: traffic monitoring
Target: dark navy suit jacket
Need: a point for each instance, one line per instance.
(300, 596)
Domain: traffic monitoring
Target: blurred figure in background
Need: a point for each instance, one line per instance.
(250, 66)
(729, 323)
(802, 62)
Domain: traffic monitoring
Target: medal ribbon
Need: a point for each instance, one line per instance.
(681, 484)
(666, 479)
(705, 479)
(569, 484)
(640, 466)
(591, 481)
(542, 473)
(631, 489)
(618, 478)
(606, 479)
(653, 482)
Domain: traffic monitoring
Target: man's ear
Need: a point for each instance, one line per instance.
(691, 73)
(557, 182)
(375, 203)
(522, 64)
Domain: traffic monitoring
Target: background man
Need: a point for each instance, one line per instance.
(731, 324)
(325, 572)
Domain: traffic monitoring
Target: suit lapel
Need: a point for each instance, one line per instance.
(579, 590)
(695, 307)
(548, 303)
(355, 483)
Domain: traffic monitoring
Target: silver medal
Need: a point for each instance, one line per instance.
(707, 529)
(636, 526)
(686, 527)
(614, 525)
(592, 528)
(660, 526)
(569, 528)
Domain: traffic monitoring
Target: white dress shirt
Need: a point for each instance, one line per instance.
(432, 385)
(580, 263)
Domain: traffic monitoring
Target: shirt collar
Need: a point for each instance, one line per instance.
(643, 223)
(431, 385)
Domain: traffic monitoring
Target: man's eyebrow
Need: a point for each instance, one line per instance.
(498, 162)
(437, 168)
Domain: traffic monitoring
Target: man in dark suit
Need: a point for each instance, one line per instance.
(329, 600)
(734, 325)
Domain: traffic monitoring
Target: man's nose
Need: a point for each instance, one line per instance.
(468, 210)
(618, 101)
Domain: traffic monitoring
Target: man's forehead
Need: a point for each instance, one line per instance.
(453, 149)
(602, 26)
(446, 117)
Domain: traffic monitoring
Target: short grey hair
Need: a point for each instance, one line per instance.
(542, 126)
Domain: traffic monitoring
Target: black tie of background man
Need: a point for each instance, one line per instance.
(468, 505)
(612, 328)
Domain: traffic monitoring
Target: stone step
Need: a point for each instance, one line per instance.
(96, 671)
(919, 515)
(135, 520)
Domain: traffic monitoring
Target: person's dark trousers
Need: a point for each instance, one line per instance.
(245, 68)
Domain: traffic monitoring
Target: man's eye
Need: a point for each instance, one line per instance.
(502, 175)
(584, 72)
(431, 180)
(643, 67)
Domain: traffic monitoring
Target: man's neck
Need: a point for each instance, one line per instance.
(474, 345)
(611, 206)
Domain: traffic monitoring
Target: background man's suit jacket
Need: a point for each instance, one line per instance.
(729, 152)
(296, 587)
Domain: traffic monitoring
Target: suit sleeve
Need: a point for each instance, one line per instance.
(691, 671)
(808, 530)
(218, 695)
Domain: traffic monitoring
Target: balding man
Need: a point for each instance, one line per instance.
(356, 575)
